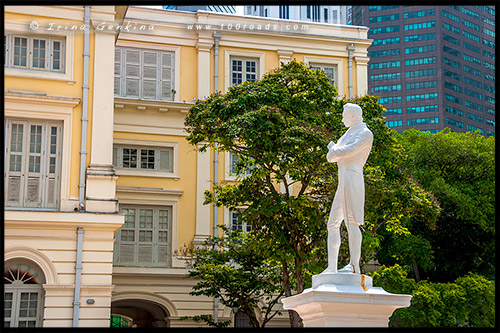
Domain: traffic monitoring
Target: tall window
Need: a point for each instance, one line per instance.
(22, 296)
(144, 74)
(145, 237)
(243, 69)
(38, 53)
(329, 70)
(32, 160)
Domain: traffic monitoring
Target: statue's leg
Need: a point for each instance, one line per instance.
(355, 238)
(333, 249)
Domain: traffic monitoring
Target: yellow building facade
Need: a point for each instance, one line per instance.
(143, 183)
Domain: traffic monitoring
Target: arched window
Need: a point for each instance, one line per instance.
(22, 296)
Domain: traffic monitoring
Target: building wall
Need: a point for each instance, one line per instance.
(162, 121)
(149, 293)
(45, 239)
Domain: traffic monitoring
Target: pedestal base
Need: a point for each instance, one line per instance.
(345, 300)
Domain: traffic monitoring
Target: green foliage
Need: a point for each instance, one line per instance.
(459, 169)
(469, 301)
(239, 274)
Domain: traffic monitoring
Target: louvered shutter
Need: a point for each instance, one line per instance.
(118, 71)
(115, 157)
(166, 160)
(145, 242)
(126, 238)
(166, 81)
(15, 162)
(149, 74)
(132, 73)
(52, 174)
(163, 254)
(33, 186)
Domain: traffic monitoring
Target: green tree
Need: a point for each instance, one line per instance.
(469, 301)
(279, 128)
(459, 169)
(240, 276)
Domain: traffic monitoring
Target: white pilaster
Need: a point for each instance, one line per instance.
(203, 46)
(202, 230)
(361, 75)
(101, 178)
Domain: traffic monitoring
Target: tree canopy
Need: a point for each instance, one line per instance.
(459, 169)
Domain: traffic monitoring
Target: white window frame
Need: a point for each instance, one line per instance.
(122, 50)
(44, 175)
(338, 62)
(322, 67)
(28, 106)
(229, 53)
(137, 243)
(67, 63)
(243, 69)
(148, 144)
(17, 288)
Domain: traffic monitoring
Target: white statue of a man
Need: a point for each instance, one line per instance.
(350, 152)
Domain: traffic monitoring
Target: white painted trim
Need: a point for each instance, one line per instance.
(150, 143)
(153, 197)
(228, 53)
(159, 47)
(51, 108)
(69, 45)
(40, 259)
(330, 61)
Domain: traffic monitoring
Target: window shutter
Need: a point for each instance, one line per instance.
(33, 197)
(15, 148)
(149, 74)
(166, 160)
(166, 81)
(132, 73)
(145, 255)
(115, 157)
(118, 71)
(53, 154)
(163, 256)
(126, 254)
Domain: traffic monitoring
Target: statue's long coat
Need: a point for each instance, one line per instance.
(350, 153)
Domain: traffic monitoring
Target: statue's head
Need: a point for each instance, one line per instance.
(352, 114)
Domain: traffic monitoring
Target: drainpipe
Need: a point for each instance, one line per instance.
(85, 103)
(350, 50)
(217, 37)
(78, 275)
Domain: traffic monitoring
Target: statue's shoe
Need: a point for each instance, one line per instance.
(349, 268)
(329, 270)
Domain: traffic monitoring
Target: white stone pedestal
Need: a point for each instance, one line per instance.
(345, 300)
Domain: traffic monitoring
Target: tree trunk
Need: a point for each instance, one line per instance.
(295, 320)
(415, 269)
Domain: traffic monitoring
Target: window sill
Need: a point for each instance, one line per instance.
(27, 73)
(155, 174)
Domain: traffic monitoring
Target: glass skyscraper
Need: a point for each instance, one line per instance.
(432, 66)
